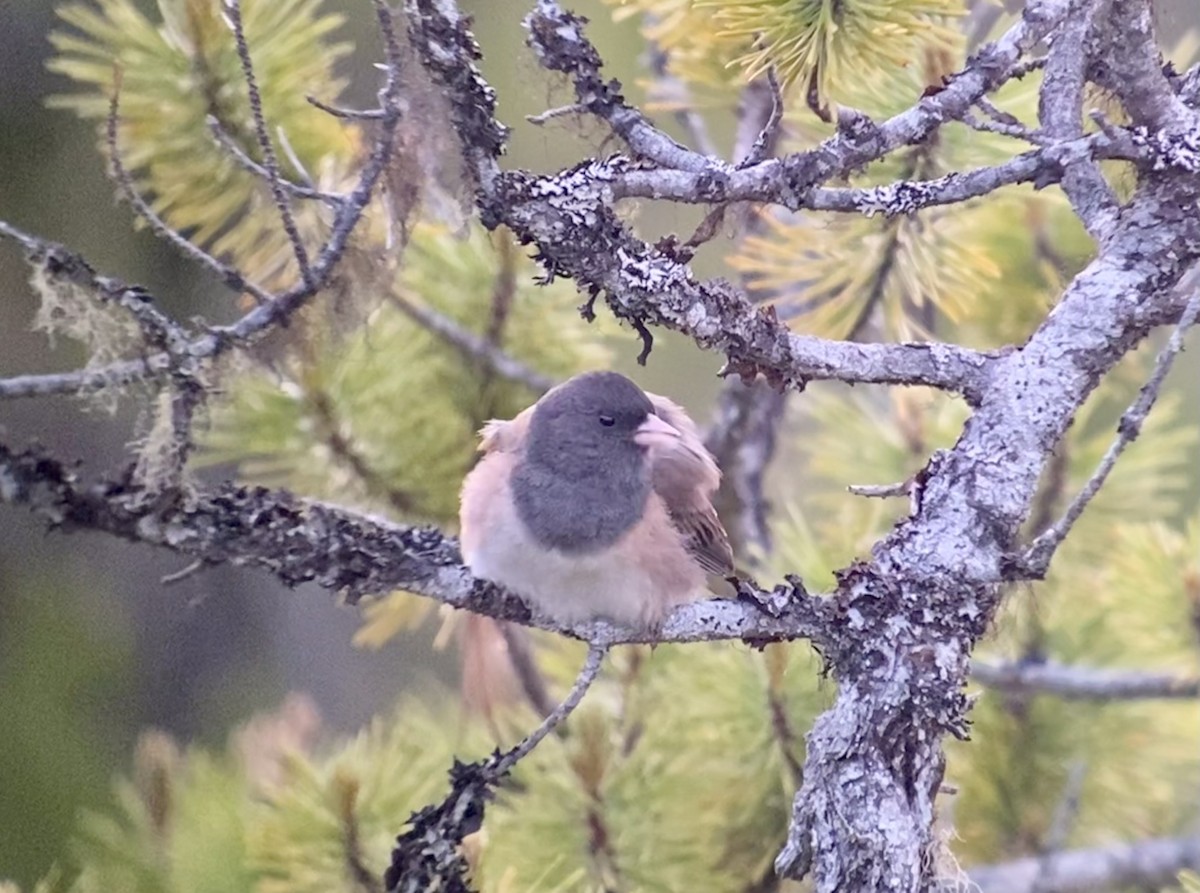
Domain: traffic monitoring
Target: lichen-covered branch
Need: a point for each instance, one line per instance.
(1146, 864)
(274, 310)
(1083, 683)
(300, 541)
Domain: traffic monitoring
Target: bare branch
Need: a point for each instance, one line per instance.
(1036, 559)
(1061, 114)
(557, 38)
(227, 143)
(587, 675)
(550, 114)
(350, 114)
(233, 16)
(881, 491)
(1131, 66)
(227, 274)
(1146, 863)
(1040, 166)
(472, 345)
(768, 137)
(428, 857)
(1083, 683)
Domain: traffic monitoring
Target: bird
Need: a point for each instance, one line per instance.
(596, 503)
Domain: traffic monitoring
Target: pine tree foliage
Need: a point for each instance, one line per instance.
(830, 47)
(175, 74)
(832, 276)
(647, 790)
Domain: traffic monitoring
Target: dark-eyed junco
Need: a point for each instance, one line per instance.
(595, 502)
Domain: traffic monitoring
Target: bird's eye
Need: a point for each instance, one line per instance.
(607, 421)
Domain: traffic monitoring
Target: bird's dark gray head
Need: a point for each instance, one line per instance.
(593, 417)
(584, 478)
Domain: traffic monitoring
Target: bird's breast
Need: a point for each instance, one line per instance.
(634, 580)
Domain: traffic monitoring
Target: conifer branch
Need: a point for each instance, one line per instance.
(273, 310)
(233, 17)
(1146, 864)
(1036, 560)
(300, 541)
(231, 278)
(1061, 114)
(1083, 683)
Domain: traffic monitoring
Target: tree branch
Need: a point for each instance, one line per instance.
(300, 541)
(1147, 863)
(1036, 560)
(1083, 683)
(1060, 109)
(274, 310)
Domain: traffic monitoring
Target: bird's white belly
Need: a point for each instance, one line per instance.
(567, 588)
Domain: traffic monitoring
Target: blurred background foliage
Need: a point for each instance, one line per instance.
(261, 750)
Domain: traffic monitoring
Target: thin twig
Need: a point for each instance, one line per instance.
(221, 135)
(351, 114)
(1083, 683)
(587, 675)
(233, 15)
(1036, 559)
(561, 112)
(228, 275)
(764, 144)
(473, 345)
(183, 573)
(881, 491)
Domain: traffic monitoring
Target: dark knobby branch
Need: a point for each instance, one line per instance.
(427, 856)
(300, 541)
(1083, 683)
(1147, 864)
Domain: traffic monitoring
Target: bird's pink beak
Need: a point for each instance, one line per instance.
(655, 432)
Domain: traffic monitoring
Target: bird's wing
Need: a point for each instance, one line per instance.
(685, 475)
(505, 435)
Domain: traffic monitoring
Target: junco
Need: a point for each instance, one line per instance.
(595, 502)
